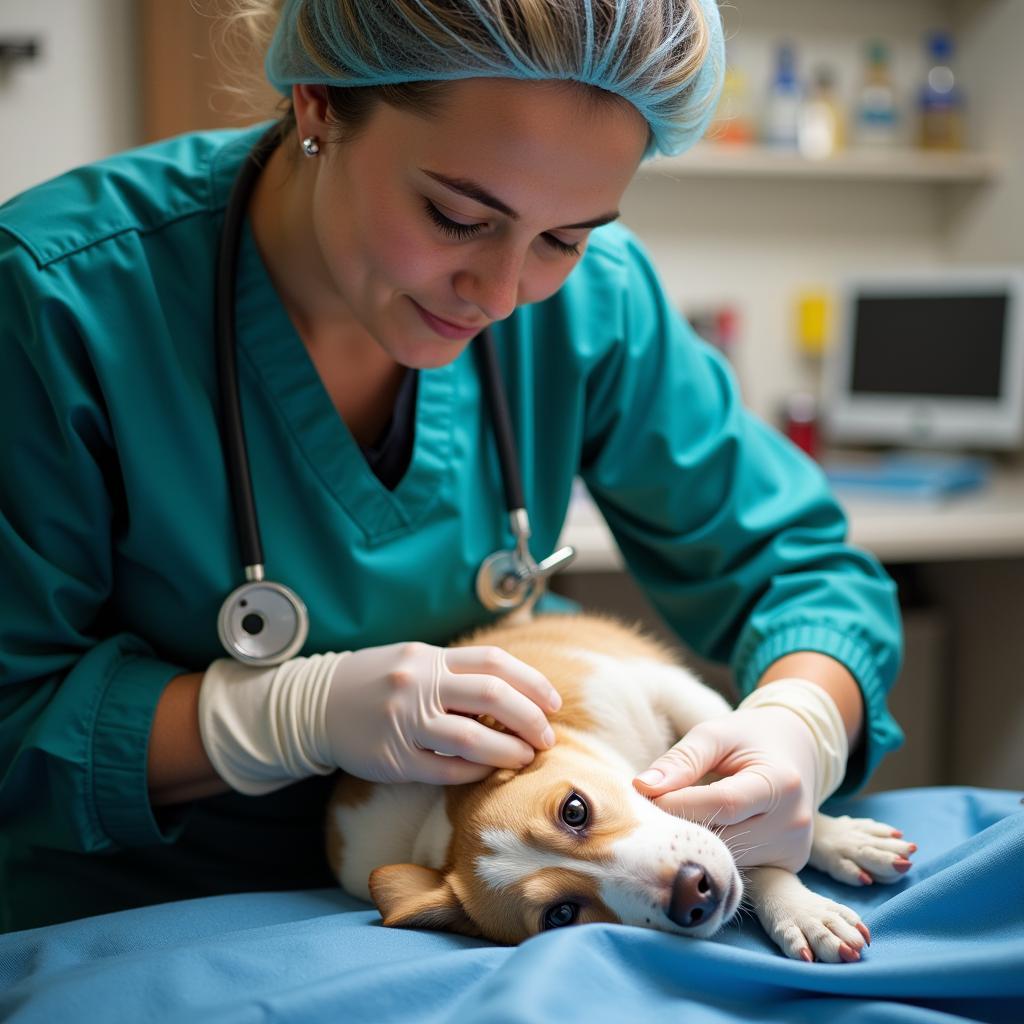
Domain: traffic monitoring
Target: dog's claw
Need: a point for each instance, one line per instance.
(806, 954)
(848, 953)
(863, 929)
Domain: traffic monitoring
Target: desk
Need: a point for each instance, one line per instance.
(960, 566)
(981, 524)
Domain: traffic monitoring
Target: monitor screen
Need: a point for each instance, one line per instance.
(923, 344)
(931, 358)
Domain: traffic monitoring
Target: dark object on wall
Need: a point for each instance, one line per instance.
(14, 50)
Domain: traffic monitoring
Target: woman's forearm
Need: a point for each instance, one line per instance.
(178, 769)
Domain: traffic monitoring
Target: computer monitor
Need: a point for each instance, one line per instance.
(931, 359)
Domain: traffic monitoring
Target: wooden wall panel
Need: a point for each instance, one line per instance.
(183, 78)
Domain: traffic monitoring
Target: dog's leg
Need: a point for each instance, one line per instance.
(859, 851)
(804, 924)
(682, 699)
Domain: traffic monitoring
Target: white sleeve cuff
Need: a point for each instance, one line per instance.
(263, 728)
(819, 712)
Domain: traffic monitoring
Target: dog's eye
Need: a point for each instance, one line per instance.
(574, 811)
(560, 915)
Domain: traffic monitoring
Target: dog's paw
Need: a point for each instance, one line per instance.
(805, 925)
(859, 851)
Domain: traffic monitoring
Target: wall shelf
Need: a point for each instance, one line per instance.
(717, 160)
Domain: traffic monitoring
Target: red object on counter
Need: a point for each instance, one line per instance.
(801, 423)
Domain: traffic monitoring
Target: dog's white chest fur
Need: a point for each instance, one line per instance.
(397, 825)
(640, 706)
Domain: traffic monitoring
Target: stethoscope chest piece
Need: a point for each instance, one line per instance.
(512, 579)
(263, 623)
(501, 584)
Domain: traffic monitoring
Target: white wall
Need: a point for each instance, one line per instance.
(757, 244)
(79, 100)
(989, 226)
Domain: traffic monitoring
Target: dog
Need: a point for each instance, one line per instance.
(567, 840)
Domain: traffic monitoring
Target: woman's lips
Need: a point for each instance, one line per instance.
(453, 332)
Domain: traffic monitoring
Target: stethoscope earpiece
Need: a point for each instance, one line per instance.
(263, 623)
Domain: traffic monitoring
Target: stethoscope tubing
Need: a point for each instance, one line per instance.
(233, 427)
(262, 622)
(501, 421)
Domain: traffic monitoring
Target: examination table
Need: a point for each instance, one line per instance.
(947, 945)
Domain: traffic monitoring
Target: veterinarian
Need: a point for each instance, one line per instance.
(444, 174)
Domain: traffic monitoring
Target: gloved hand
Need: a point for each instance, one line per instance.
(406, 712)
(783, 752)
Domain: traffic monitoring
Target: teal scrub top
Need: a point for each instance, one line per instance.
(118, 545)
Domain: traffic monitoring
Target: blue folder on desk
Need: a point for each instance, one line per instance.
(908, 475)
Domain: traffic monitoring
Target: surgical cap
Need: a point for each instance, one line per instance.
(394, 60)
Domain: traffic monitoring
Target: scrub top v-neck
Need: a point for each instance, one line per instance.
(271, 349)
(389, 454)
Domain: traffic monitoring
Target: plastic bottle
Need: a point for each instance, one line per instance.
(820, 132)
(800, 422)
(940, 101)
(782, 105)
(732, 123)
(878, 122)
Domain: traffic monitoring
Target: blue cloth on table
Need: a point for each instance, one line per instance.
(947, 944)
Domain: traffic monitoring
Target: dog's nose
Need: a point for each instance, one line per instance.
(694, 896)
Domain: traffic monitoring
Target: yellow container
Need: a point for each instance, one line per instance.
(813, 321)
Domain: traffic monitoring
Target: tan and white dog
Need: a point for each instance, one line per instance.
(568, 840)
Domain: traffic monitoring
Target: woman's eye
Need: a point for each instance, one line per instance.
(575, 812)
(454, 229)
(450, 227)
(563, 247)
(561, 915)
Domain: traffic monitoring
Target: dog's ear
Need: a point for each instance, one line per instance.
(411, 896)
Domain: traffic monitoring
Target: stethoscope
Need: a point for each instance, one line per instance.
(265, 623)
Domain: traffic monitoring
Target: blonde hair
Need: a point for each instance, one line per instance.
(661, 55)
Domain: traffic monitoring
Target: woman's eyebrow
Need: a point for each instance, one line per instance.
(479, 194)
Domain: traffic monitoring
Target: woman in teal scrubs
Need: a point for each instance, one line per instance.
(435, 176)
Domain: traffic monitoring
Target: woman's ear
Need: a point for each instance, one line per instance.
(310, 105)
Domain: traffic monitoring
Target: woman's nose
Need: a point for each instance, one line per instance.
(492, 286)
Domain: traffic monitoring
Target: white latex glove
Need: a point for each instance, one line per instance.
(406, 712)
(783, 751)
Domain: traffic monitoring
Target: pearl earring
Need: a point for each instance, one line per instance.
(311, 145)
